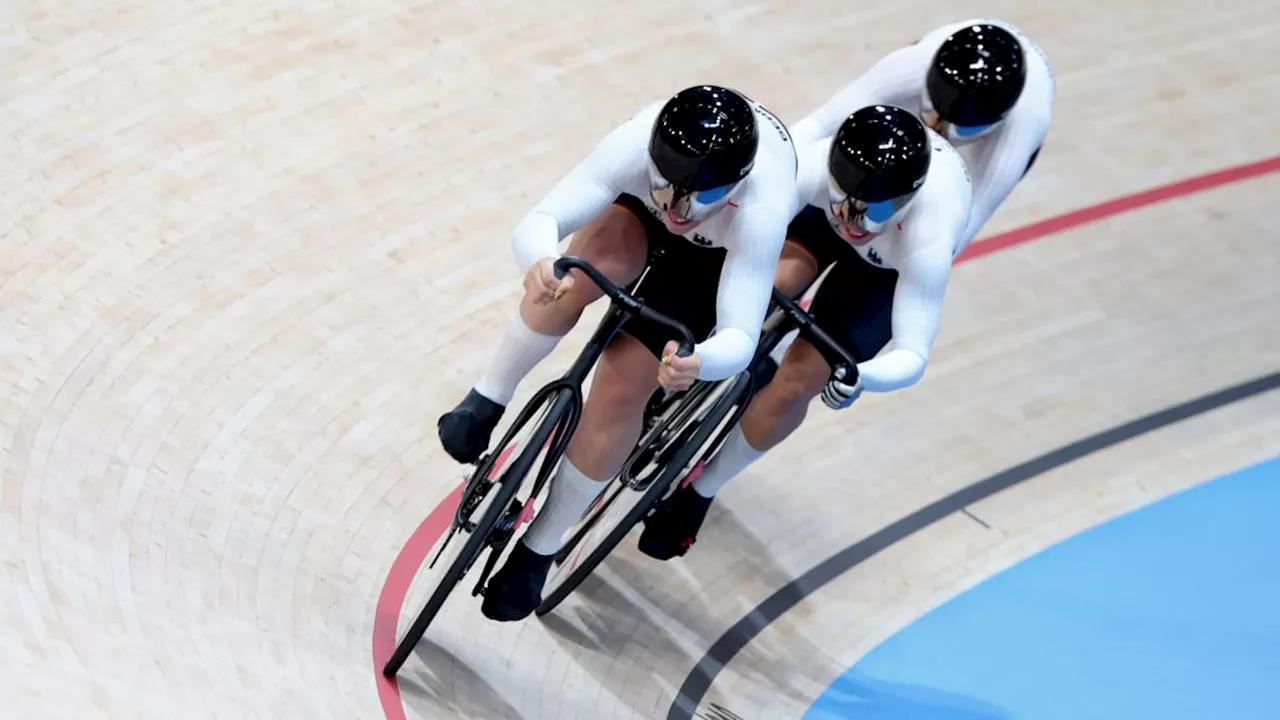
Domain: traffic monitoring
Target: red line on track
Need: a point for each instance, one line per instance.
(414, 552)
(1128, 203)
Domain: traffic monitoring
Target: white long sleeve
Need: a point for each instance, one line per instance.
(895, 80)
(917, 310)
(746, 286)
(928, 235)
(537, 236)
(998, 163)
(585, 192)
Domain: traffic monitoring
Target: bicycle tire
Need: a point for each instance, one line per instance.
(652, 494)
(508, 485)
(652, 434)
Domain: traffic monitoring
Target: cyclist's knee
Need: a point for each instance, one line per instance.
(557, 317)
(802, 374)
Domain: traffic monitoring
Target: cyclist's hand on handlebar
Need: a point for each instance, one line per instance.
(541, 284)
(838, 395)
(678, 373)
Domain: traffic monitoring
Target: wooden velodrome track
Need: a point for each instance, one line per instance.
(250, 250)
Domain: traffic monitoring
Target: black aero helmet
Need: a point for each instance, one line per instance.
(878, 160)
(704, 138)
(976, 76)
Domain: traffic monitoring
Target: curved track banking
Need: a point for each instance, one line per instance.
(736, 638)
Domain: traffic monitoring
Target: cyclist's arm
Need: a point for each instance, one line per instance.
(1001, 165)
(917, 307)
(583, 194)
(746, 286)
(930, 237)
(895, 80)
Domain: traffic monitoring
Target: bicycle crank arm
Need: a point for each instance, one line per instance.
(489, 563)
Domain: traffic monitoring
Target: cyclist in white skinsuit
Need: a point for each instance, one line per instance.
(962, 81)
(700, 190)
(986, 89)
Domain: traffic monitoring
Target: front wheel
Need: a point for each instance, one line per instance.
(625, 501)
(492, 508)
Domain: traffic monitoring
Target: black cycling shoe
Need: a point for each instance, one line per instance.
(671, 529)
(515, 590)
(464, 431)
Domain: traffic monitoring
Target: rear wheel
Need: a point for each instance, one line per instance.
(673, 446)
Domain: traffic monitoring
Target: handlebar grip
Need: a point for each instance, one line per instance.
(626, 301)
(613, 292)
(844, 368)
(686, 341)
(565, 264)
(846, 364)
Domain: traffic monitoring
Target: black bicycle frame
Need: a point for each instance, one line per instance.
(623, 306)
(843, 367)
(788, 316)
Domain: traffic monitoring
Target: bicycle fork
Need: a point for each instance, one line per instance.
(520, 512)
(498, 539)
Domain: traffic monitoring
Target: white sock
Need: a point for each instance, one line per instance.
(733, 458)
(521, 349)
(570, 494)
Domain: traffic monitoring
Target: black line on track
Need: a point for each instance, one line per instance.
(732, 642)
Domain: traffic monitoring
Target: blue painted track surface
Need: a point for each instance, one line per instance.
(1171, 612)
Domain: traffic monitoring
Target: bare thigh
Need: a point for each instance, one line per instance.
(625, 378)
(614, 243)
(781, 406)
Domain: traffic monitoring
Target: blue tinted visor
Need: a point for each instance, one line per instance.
(712, 196)
(973, 131)
(865, 217)
(883, 212)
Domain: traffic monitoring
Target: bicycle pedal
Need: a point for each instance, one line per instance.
(486, 570)
(507, 525)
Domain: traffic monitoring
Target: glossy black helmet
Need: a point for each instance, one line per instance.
(879, 158)
(976, 76)
(704, 138)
